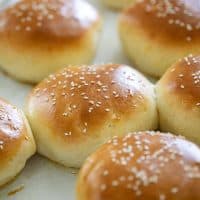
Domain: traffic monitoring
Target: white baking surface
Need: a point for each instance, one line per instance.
(43, 179)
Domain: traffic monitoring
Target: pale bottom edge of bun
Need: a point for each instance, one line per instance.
(173, 118)
(150, 56)
(74, 155)
(33, 65)
(180, 123)
(16, 165)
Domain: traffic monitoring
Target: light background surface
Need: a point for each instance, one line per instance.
(43, 179)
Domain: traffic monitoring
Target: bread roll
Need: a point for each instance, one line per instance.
(157, 33)
(178, 98)
(142, 166)
(16, 142)
(118, 4)
(79, 108)
(38, 37)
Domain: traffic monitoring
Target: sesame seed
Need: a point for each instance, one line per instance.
(28, 28)
(138, 193)
(174, 190)
(103, 187)
(162, 197)
(84, 130)
(105, 173)
(68, 133)
(115, 183)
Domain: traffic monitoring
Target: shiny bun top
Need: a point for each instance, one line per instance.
(47, 19)
(183, 81)
(174, 21)
(142, 166)
(12, 131)
(77, 101)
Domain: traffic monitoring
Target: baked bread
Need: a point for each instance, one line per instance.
(79, 108)
(157, 33)
(118, 4)
(16, 142)
(178, 98)
(142, 166)
(38, 37)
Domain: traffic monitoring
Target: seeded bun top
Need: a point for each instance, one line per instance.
(141, 166)
(176, 21)
(79, 108)
(47, 20)
(79, 100)
(182, 81)
(14, 133)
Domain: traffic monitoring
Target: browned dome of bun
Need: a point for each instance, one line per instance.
(16, 141)
(163, 31)
(178, 98)
(77, 109)
(47, 34)
(47, 20)
(174, 21)
(142, 166)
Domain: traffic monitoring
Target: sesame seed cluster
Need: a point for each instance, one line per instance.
(16, 142)
(181, 14)
(68, 16)
(10, 124)
(188, 75)
(141, 158)
(35, 13)
(194, 62)
(93, 90)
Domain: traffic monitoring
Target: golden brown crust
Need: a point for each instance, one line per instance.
(170, 21)
(54, 21)
(183, 81)
(141, 166)
(78, 100)
(12, 132)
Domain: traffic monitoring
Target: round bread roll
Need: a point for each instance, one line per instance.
(178, 98)
(16, 142)
(118, 4)
(79, 108)
(157, 33)
(38, 37)
(142, 166)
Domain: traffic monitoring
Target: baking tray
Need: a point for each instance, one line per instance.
(42, 179)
